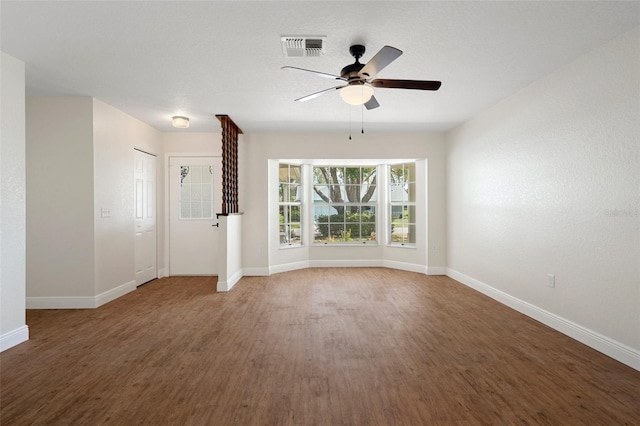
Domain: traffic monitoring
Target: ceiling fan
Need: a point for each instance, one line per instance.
(359, 80)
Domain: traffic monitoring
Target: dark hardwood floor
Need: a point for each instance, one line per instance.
(357, 346)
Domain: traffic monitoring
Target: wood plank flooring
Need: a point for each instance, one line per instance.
(347, 346)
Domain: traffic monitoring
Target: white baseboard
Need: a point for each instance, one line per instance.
(255, 272)
(607, 346)
(403, 266)
(161, 273)
(286, 267)
(80, 302)
(114, 293)
(14, 337)
(436, 270)
(223, 286)
(54, 302)
(353, 263)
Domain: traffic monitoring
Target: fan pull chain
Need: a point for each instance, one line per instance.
(349, 122)
(362, 118)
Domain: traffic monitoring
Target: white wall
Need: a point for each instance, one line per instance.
(80, 159)
(115, 135)
(13, 328)
(182, 142)
(261, 253)
(60, 212)
(547, 182)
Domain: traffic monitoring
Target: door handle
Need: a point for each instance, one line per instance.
(217, 225)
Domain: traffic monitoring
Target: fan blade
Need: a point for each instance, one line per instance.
(406, 84)
(372, 103)
(318, 73)
(315, 95)
(384, 57)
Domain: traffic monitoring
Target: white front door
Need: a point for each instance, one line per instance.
(195, 187)
(145, 217)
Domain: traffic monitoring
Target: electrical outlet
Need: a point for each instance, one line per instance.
(435, 248)
(551, 280)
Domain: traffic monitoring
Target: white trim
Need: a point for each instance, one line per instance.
(56, 302)
(114, 293)
(256, 272)
(14, 337)
(354, 263)
(436, 270)
(606, 345)
(80, 302)
(403, 266)
(161, 273)
(286, 267)
(223, 286)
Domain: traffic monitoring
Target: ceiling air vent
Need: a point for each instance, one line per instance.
(300, 46)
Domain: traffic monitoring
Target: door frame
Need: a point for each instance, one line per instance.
(167, 206)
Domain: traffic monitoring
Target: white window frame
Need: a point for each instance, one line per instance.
(408, 188)
(344, 206)
(286, 205)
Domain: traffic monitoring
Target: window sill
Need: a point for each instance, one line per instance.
(346, 245)
(290, 246)
(399, 245)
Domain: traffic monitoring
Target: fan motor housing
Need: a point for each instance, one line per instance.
(350, 72)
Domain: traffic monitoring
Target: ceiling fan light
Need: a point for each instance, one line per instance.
(356, 94)
(180, 122)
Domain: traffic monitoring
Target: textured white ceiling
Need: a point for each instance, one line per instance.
(155, 59)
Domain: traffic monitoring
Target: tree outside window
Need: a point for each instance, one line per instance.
(344, 202)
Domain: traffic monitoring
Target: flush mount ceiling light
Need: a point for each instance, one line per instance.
(180, 122)
(356, 94)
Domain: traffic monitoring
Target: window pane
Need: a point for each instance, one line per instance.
(353, 232)
(185, 210)
(295, 237)
(196, 192)
(353, 214)
(396, 173)
(295, 172)
(336, 231)
(319, 191)
(207, 192)
(396, 193)
(337, 214)
(321, 175)
(196, 173)
(196, 210)
(206, 211)
(396, 212)
(283, 174)
(295, 192)
(352, 193)
(295, 214)
(284, 214)
(352, 175)
(321, 210)
(336, 175)
(370, 194)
